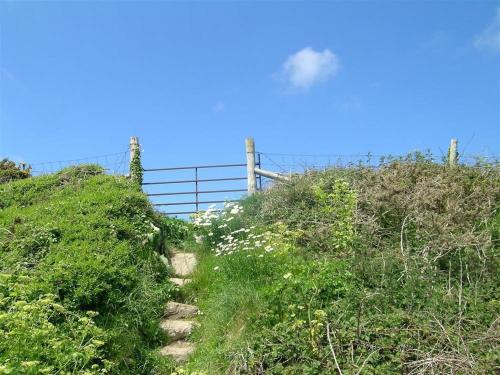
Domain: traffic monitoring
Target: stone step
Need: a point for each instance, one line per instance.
(177, 329)
(183, 263)
(180, 282)
(176, 310)
(179, 350)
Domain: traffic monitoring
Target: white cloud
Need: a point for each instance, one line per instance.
(489, 39)
(219, 107)
(308, 67)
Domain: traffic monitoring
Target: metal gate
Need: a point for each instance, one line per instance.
(199, 179)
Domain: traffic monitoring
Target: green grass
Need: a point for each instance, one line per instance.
(81, 287)
(233, 299)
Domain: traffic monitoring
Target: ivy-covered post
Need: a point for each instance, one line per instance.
(135, 161)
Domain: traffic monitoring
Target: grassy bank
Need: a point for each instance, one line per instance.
(81, 285)
(354, 271)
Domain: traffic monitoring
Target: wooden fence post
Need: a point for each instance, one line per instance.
(452, 153)
(251, 180)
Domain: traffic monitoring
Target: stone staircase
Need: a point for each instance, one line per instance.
(178, 321)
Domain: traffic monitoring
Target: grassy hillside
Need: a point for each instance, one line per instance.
(354, 271)
(348, 271)
(81, 286)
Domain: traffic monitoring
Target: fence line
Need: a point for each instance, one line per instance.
(114, 163)
(261, 169)
(298, 163)
(369, 154)
(270, 167)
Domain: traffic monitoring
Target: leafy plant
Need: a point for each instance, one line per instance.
(337, 203)
(39, 335)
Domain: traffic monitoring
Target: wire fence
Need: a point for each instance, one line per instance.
(115, 164)
(289, 164)
(299, 163)
(284, 163)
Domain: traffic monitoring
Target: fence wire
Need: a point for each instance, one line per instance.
(299, 163)
(115, 164)
(289, 164)
(118, 163)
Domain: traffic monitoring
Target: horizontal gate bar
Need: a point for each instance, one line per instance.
(197, 192)
(180, 212)
(184, 203)
(194, 167)
(202, 180)
(273, 175)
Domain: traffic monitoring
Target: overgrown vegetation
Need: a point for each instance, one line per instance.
(81, 285)
(355, 271)
(348, 271)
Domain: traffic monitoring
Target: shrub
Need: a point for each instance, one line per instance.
(9, 171)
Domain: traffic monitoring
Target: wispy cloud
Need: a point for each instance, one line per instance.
(308, 67)
(218, 107)
(352, 104)
(435, 42)
(489, 39)
(6, 74)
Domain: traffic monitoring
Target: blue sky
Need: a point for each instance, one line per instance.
(193, 79)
